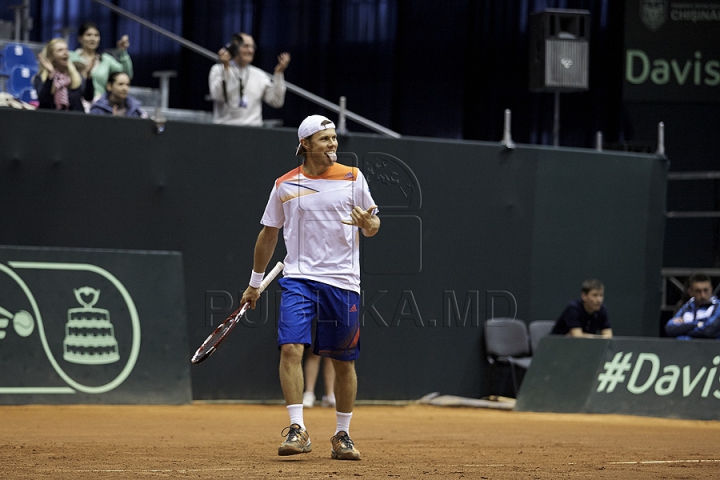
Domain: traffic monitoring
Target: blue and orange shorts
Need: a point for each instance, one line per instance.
(337, 326)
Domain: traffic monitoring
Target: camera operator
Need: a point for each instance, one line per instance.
(239, 88)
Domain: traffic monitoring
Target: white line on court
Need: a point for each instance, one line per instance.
(230, 469)
(642, 462)
(116, 470)
(638, 462)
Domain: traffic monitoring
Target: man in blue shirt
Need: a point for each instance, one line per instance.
(587, 316)
(700, 316)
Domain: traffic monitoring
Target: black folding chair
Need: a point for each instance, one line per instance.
(506, 342)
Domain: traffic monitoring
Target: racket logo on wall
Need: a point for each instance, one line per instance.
(22, 322)
(50, 313)
(397, 192)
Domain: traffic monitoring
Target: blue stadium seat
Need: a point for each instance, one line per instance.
(29, 95)
(20, 79)
(17, 54)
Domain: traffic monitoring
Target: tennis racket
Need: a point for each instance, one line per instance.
(223, 330)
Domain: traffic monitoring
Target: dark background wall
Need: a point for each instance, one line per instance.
(436, 69)
(470, 231)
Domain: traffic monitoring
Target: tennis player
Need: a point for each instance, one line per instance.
(321, 207)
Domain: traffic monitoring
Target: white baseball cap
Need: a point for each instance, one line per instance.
(310, 126)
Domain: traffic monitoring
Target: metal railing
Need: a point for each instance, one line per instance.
(694, 176)
(213, 56)
(676, 278)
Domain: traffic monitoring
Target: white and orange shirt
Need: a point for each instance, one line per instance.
(310, 209)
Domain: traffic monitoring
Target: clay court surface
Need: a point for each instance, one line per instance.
(415, 441)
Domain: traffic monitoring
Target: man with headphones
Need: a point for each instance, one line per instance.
(239, 88)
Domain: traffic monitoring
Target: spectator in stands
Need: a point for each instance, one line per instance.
(587, 316)
(238, 88)
(700, 316)
(91, 62)
(311, 370)
(116, 101)
(58, 83)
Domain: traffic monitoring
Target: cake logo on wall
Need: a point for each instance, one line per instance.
(653, 13)
(89, 334)
(66, 327)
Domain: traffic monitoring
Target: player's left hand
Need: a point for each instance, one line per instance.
(362, 218)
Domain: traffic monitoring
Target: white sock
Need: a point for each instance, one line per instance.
(296, 414)
(343, 422)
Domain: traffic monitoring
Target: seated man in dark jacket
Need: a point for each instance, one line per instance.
(700, 316)
(586, 316)
(116, 101)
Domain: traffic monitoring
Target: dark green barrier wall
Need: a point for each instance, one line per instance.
(633, 376)
(469, 230)
(92, 326)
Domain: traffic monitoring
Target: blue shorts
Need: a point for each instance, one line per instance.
(337, 330)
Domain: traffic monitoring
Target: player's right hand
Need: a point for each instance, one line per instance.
(251, 295)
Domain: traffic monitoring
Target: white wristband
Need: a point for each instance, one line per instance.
(256, 279)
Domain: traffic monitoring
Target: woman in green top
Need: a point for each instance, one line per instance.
(104, 64)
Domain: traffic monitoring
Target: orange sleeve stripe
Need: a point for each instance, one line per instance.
(291, 174)
(336, 172)
(340, 172)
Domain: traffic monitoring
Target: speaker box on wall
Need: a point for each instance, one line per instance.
(559, 50)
